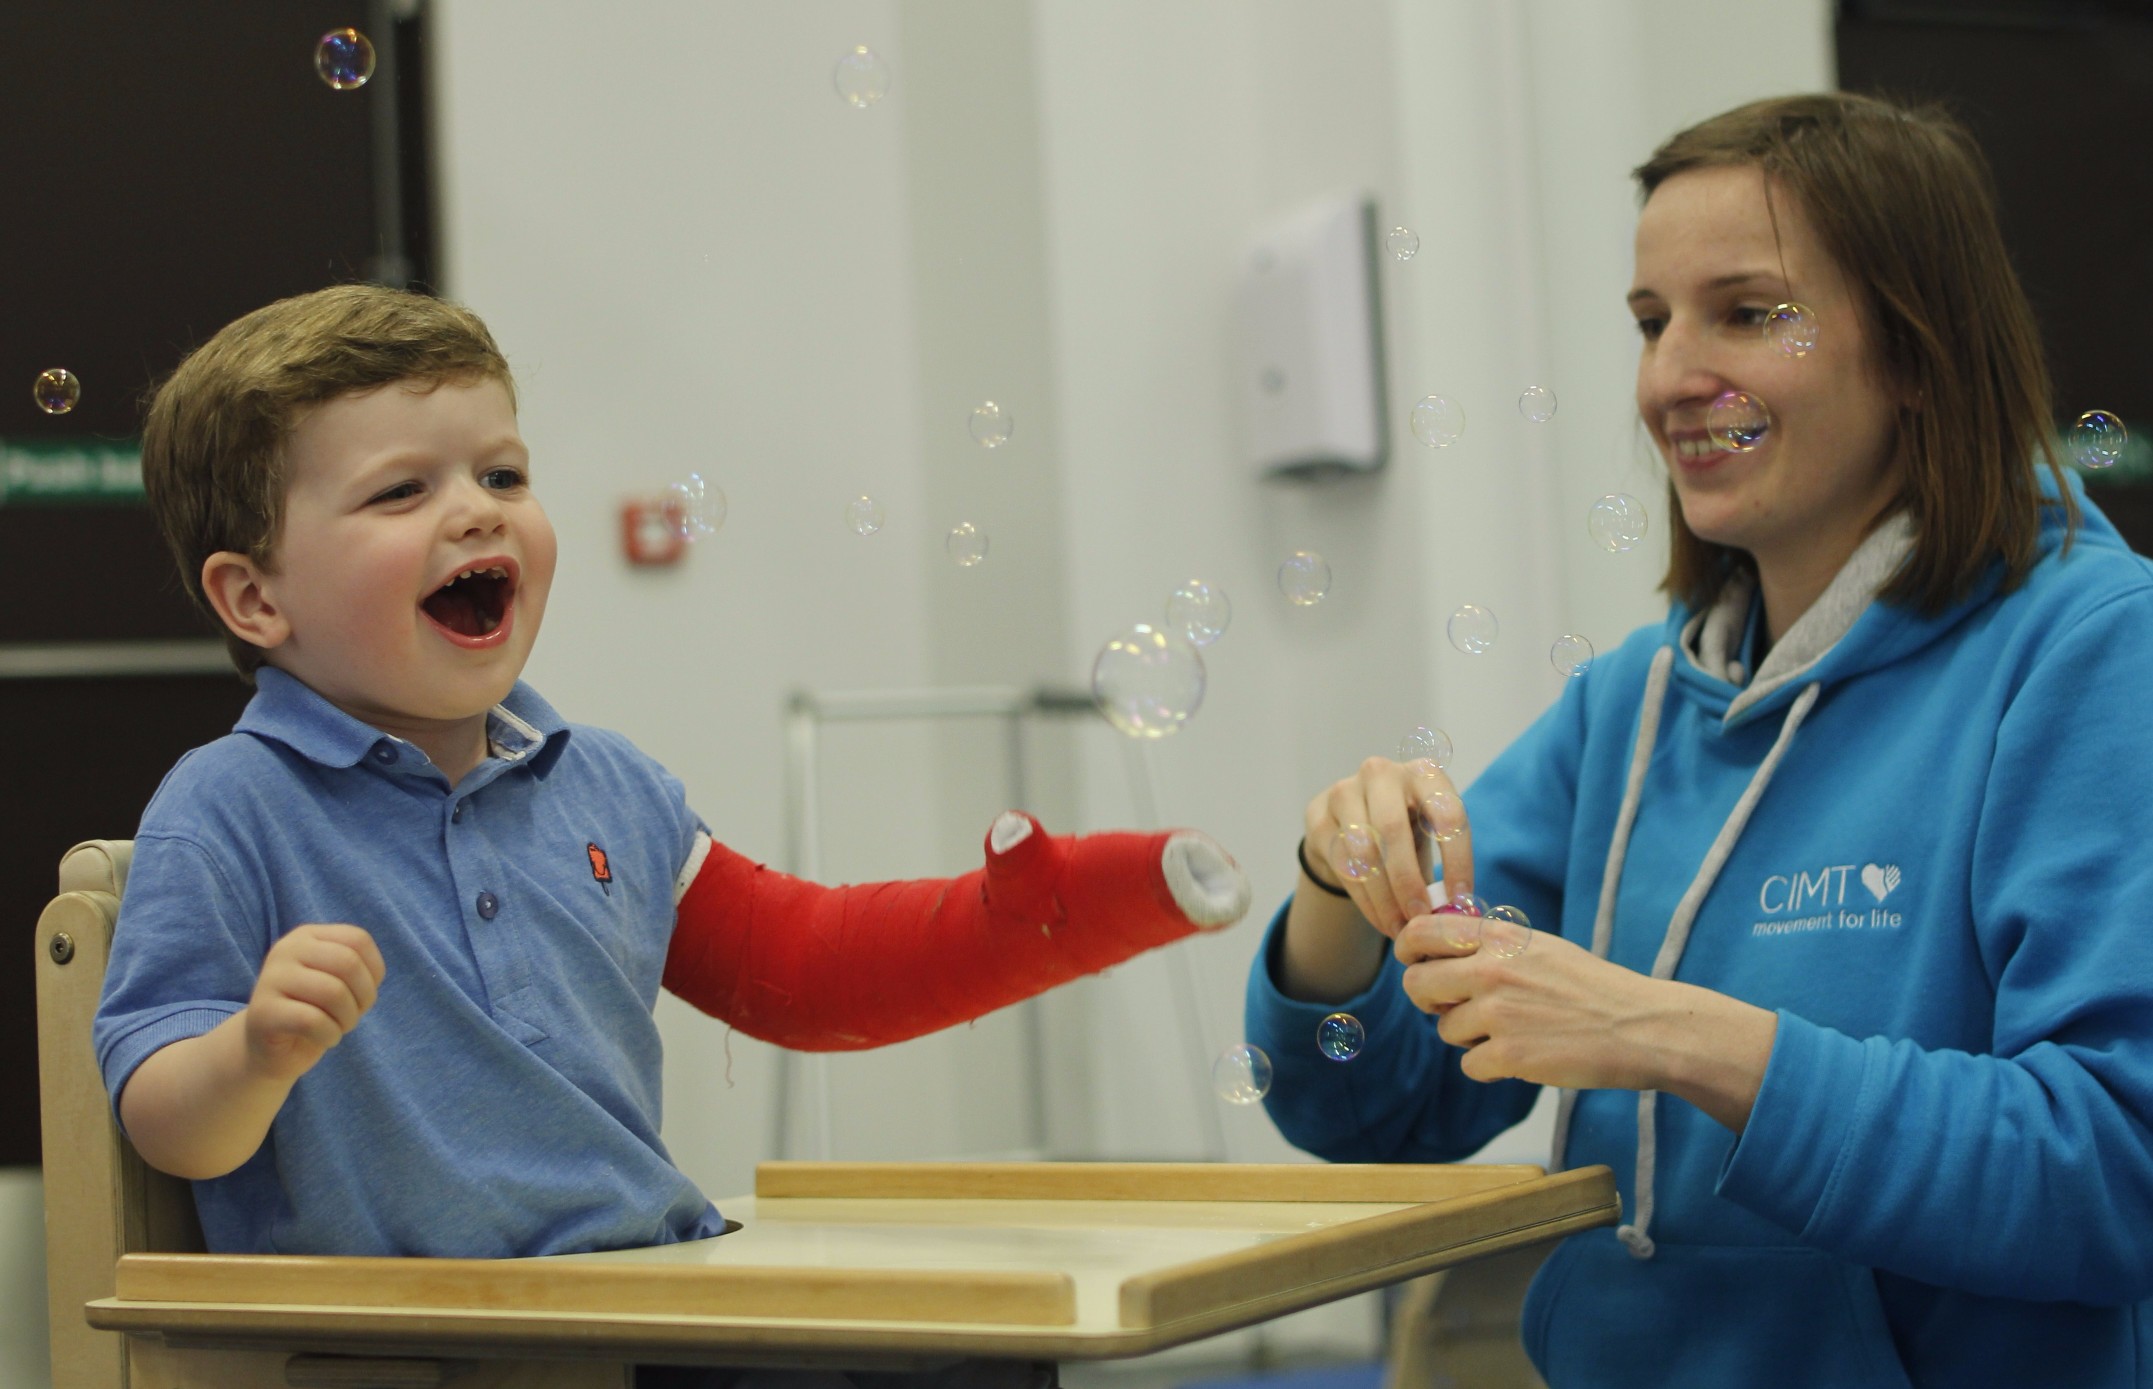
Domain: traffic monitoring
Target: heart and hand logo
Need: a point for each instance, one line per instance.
(1880, 880)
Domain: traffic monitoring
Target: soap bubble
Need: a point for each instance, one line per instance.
(2098, 439)
(1438, 421)
(1242, 1074)
(864, 515)
(1340, 1036)
(1440, 810)
(991, 424)
(1472, 629)
(1147, 682)
(1792, 328)
(1198, 612)
(1616, 522)
(1571, 654)
(1421, 741)
(344, 58)
(1403, 243)
(56, 391)
(1537, 403)
(1355, 853)
(861, 78)
(966, 543)
(1738, 421)
(1506, 931)
(696, 507)
(1305, 577)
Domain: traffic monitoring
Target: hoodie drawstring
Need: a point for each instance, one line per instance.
(1635, 1236)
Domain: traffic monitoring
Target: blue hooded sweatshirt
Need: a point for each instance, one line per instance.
(1927, 844)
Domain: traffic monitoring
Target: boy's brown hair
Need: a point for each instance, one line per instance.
(213, 444)
(1903, 202)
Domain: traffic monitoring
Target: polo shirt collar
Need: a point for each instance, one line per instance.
(521, 728)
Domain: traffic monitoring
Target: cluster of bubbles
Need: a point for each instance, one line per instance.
(1149, 681)
(1438, 421)
(56, 391)
(345, 59)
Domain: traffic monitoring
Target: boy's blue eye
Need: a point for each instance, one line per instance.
(397, 493)
(1751, 317)
(504, 478)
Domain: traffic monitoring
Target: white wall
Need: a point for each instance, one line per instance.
(25, 1345)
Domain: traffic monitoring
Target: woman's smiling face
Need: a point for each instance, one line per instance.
(1709, 270)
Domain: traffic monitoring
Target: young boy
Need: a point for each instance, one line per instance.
(383, 976)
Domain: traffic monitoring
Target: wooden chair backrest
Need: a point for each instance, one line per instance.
(101, 1200)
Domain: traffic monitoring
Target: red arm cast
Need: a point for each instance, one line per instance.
(819, 968)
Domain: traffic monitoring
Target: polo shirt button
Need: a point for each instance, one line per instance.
(384, 754)
(456, 814)
(488, 904)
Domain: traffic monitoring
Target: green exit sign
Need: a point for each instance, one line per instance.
(70, 472)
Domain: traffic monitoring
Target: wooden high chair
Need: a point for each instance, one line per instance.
(952, 1275)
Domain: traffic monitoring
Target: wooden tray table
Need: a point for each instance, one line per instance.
(890, 1266)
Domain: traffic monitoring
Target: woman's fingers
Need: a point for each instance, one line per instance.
(1390, 811)
(1438, 806)
(1336, 832)
(1373, 831)
(1437, 936)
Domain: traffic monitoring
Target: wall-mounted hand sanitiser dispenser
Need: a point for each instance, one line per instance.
(1311, 365)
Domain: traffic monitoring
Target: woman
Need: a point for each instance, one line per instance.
(1841, 874)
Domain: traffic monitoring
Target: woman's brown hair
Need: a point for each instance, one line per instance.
(1902, 200)
(213, 442)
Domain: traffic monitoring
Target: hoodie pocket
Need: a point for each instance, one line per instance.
(1707, 1316)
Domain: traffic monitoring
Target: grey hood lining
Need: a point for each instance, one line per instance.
(1712, 639)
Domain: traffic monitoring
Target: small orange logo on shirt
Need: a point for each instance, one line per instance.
(600, 869)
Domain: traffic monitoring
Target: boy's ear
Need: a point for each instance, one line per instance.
(235, 587)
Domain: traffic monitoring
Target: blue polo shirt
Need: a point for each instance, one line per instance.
(502, 1096)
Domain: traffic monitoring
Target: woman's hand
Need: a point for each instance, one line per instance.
(1540, 1008)
(1394, 803)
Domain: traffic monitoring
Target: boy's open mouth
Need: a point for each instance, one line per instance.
(472, 603)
